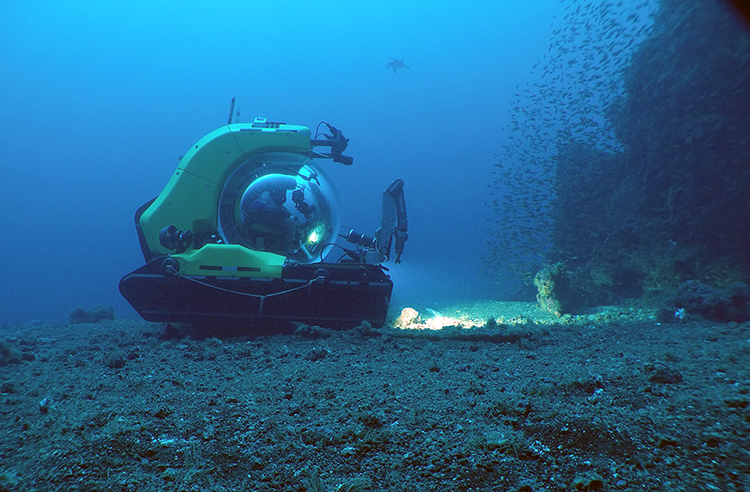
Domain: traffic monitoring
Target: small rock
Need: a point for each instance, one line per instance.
(525, 487)
(315, 332)
(44, 405)
(667, 315)
(372, 420)
(317, 354)
(114, 361)
(661, 373)
(169, 475)
(589, 384)
(733, 403)
(666, 441)
(712, 440)
(589, 482)
(366, 330)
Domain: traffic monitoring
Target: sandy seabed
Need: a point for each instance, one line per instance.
(610, 400)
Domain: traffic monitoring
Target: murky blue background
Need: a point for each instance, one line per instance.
(99, 99)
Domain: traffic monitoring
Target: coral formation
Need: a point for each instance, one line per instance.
(554, 293)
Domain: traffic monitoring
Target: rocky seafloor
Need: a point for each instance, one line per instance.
(611, 400)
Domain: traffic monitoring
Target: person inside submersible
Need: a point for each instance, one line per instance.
(267, 223)
(270, 226)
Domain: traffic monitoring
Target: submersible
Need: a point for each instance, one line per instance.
(243, 230)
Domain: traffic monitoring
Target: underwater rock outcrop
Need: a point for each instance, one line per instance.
(686, 150)
(573, 85)
(554, 292)
(731, 303)
(99, 313)
(633, 172)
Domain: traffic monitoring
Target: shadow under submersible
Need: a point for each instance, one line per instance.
(240, 232)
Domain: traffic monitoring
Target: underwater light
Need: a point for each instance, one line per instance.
(314, 236)
(438, 322)
(410, 319)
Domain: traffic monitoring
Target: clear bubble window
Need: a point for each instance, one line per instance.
(280, 203)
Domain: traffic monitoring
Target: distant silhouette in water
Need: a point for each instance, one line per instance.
(394, 64)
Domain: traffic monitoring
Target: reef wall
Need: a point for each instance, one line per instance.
(674, 205)
(628, 159)
(565, 101)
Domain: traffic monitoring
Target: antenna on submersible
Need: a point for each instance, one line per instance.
(231, 111)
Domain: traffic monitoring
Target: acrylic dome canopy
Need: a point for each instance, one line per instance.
(282, 203)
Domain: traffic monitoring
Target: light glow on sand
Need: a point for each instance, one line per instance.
(410, 319)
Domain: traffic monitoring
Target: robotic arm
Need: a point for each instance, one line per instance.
(393, 223)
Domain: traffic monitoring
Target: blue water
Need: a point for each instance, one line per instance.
(99, 100)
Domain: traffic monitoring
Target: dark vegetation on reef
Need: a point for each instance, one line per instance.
(644, 184)
(673, 206)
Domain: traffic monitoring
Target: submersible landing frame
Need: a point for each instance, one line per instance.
(242, 230)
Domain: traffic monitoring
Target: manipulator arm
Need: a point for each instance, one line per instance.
(393, 222)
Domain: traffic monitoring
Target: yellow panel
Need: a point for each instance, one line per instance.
(217, 154)
(191, 206)
(230, 260)
(213, 157)
(287, 138)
